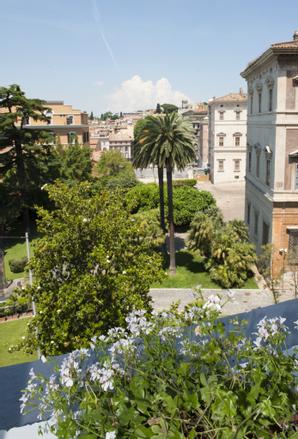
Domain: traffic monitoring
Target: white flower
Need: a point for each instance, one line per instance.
(71, 366)
(213, 304)
(122, 346)
(167, 331)
(138, 324)
(103, 375)
(243, 365)
(268, 328)
(296, 324)
(110, 435)
(43, 359)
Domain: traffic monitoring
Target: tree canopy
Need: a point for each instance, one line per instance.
(19, 143)
(94, 263)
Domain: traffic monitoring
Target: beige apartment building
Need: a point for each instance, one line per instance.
(67, 124)
(272, 151)
(227, 137)
(121, 140)
(198, 117)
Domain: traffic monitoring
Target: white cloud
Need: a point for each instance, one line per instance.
(99, 83)
(138, 94)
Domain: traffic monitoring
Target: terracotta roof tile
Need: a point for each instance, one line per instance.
(285, 45)
(231, 97)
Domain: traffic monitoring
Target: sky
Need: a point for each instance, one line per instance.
(127, 55)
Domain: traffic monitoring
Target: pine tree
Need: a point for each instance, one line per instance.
(20, 143)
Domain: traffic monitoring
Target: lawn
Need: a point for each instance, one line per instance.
(11, 333)
(190, 272)
(16, 251)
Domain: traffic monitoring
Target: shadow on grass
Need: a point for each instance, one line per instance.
(16, 235)
(186, 259)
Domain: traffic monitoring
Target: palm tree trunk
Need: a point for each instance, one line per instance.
(172, 268)
(161, 199)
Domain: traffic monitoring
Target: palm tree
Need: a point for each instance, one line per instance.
(167, 141)
(142, 161)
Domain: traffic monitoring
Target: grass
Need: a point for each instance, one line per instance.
(190, 272)
(11, 333)
(16, 251)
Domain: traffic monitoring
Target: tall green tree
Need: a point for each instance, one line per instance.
(94, 263)
(167, 141)
(75, 161)
(18, 142)
(169, 108)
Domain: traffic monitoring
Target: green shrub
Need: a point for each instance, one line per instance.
(188, 201)
(9, 309)
(142, 197)
(185, 182)
(224, 246)
(17, 265)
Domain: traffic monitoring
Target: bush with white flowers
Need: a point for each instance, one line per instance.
(174, 375)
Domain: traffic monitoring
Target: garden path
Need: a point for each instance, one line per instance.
(242, 300)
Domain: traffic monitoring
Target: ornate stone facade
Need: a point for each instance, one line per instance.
(272, 153)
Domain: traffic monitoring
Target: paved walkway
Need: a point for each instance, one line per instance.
(242, 300)
(230, 197)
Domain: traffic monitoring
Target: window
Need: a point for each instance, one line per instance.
(237, 165)
(268, 171)
(249, 161)
(265, 234)
(293, 247)
(71, 138)
(270, 99)
(258, 164)
(237, 115)
(251, 104)
(260, 102)
(221, 115)
(69, 120)
(85, 137)
(221, 141)
(256, 223)
(220, 165)
(296, 177)
(237, 140)
(248, 212)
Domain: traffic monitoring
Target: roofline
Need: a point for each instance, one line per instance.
(50, 127)
(226, 101)
(266, 56)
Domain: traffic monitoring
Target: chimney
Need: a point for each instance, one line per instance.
(295, 36)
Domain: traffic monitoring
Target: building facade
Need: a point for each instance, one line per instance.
(272, 154)
(121, 140)
(198, 118)
(227, 137)
(67, 124)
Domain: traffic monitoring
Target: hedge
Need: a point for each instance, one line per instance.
(17, 265)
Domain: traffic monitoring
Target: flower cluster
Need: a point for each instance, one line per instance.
(268, 328)
(137, 323)
(186, 358)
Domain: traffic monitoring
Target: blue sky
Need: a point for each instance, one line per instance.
(125, 54)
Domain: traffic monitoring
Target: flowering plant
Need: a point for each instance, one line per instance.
(174, 375)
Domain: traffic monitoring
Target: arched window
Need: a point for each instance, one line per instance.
(71, 138)
(69, 120)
